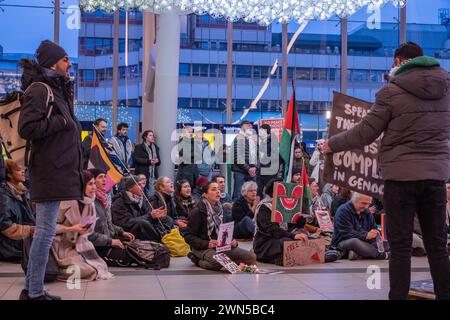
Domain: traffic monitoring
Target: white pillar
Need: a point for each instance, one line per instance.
(166, 86)
(147, 79)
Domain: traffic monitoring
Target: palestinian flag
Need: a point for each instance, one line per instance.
(307, 197)
(99, 159)
(291, 129)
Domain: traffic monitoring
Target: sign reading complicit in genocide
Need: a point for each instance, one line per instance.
(356, 170)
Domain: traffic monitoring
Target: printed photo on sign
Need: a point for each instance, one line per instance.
(287, 202)
(226, 262)
(225, 237)
(356, 169)
(324, 219)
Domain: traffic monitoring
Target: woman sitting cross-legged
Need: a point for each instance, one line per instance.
(184, 201)
(16, 217)
(203, 228)
(71, 247)
(243, 211)
(270, 236)
(107, 237)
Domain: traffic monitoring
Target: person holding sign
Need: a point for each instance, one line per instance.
(413, 113)
(270, 236)
(203, 229)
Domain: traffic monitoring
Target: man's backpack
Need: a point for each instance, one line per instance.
(17, 148)
(148, 254)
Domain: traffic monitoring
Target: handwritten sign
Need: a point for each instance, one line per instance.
(356, 170)
(301, 253)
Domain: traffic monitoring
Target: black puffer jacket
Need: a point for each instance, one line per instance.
(56, 157)
(413, 111)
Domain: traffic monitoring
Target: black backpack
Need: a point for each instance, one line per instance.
(148, 254)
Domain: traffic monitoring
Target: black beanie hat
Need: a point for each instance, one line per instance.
(96, 172)
(49, 53)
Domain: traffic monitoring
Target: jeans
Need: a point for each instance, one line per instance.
(427, 198)
(239, 179)
(149, 189)
(46, 213)
(367, 250)
(244, 229)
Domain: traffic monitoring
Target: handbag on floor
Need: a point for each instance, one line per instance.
(148, 254)
(52, 268)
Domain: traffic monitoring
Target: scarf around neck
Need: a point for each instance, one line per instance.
(214, 216)
(151, 151)
(102, 196)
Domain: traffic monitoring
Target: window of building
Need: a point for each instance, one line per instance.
(320, 74)
(185, 69)
(243, 71)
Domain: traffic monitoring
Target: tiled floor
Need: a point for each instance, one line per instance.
(183, 281)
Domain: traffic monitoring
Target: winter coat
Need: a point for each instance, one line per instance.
(196, 234)
(241, 209)
(126, 214)
(104, 230)
(168, 203)
(187, 169)
(204, 156)
(184, 206)
(142, 162)
(348, 224)
(413, 112)
(241, 154)
(16, 221)
(56, 142)
(327, 196)
(317, 161)
(123, 149)
(266, 244)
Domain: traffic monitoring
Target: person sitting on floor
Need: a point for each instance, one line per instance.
(355, 230)
(164, 199)
(330, 192)
(270, 236)
(202, 231)
(243, 211)
(199, 183)
(16, 217)
(131, 211)
(71, 246)
(107, 236)
(184, 203)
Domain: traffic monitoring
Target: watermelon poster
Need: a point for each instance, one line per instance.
(301, 253)
(287, 202)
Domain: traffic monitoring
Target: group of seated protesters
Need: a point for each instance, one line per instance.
(129, 214)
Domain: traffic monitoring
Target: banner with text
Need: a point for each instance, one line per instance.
(356, 170)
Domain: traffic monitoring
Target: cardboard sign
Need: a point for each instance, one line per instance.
(356, 170)
(225, 237)
(324, 219)
(276, 126)
(287, 202)
(301, 253)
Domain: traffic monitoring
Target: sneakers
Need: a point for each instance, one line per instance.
(352, 255)
(193, 258)
(45, 296)
(332, 255)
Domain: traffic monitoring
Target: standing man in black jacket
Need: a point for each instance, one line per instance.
(244, 158)
(56, 158)
(413, 112)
